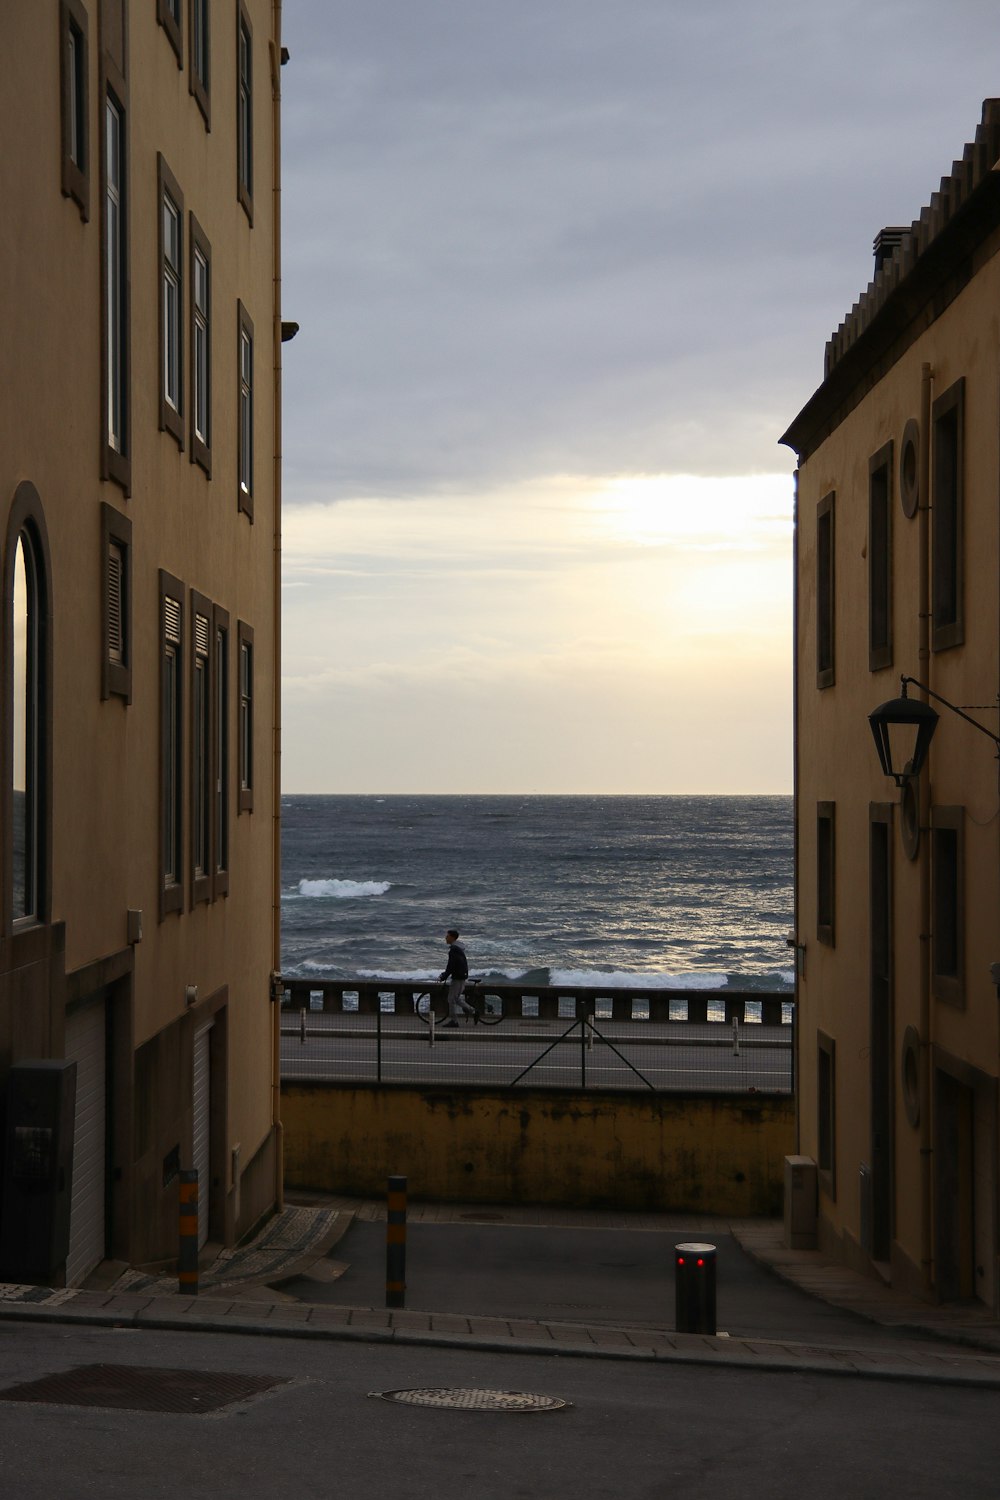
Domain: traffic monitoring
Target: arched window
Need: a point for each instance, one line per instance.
(28, 675)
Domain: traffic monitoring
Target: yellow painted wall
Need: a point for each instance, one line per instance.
(837, 762)
(105, 800)
(654, 1152)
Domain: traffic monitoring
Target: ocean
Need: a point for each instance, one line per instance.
(688, 892)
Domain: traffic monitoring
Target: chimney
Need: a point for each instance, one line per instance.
(887, 242)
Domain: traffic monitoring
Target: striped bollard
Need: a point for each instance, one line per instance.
(187, 1258)
(395, 1244)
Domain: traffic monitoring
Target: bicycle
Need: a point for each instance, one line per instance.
(425, 1005)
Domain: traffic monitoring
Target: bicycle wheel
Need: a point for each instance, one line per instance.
(484, 1014)
(424, 1007)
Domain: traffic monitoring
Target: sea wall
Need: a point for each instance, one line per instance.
(711, 1154)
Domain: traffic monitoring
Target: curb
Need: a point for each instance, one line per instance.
(782, 1360)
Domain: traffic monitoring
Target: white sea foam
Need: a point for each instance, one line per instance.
(343, 890)
(593, 979)
(418, 976)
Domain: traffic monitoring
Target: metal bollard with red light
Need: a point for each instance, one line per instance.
(694, 1285)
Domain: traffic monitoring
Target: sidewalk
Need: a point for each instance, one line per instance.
(239, 1296)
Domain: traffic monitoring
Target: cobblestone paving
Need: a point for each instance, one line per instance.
(292, 1235)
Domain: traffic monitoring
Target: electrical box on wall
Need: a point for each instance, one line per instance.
(37, 1170)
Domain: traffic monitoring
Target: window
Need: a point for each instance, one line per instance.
(171, 304)
(116, 613)
(201, 348)
(244, 110)
(202, 781)
(825, 871)
(947, 504)
(880, 559)
(115, 296)
(824, 593)
(245, 357)
(74, 97)
(826, 1112)
(168, 13)
(171, 723)
(947, 904)
(199, 61)
(27, 749)
(25, 743)
(246, 717)
(220, 750)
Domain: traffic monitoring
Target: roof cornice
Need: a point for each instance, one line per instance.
(953, 236)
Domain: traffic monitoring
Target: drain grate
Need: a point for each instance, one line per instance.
(473, 1400)
(477, 1218)
(139, 1388)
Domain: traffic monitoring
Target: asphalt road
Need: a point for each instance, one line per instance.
(616, 1277)
(642, 1432)
(621, 1055)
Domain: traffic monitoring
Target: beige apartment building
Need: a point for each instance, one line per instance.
(898, 878)
(139, 528)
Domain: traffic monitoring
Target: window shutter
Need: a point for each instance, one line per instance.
(172, 620)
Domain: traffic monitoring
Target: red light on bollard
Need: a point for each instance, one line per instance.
(694, 1285)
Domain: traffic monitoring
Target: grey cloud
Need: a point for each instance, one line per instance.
(556, 236)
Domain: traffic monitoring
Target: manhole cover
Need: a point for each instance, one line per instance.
(135, 1388)
(472, 1400)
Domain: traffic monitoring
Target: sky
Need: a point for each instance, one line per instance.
(565, 271)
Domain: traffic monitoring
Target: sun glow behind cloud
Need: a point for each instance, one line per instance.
(568, 635)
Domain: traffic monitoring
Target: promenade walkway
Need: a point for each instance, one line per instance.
(901, 1339)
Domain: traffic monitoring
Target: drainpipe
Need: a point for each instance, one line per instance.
(279, 1153)
(796, 1038)
(924, 794)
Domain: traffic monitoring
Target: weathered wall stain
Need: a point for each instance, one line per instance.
(712, 1154)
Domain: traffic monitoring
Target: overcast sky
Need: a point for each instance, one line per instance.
(564, 271)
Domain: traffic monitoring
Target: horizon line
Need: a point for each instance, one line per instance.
(292, 793)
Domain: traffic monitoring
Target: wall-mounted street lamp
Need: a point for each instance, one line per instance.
(903, 729)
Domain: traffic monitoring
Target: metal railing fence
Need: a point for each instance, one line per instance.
(556, 1036)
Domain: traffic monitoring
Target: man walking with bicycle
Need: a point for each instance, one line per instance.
(456, 972)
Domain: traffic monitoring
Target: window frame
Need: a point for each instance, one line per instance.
(172, 25)
(245, 701)
(200, 31)
(948, 519)
(74, 92)
(202, 692)
(116, 676)
(116, 351)
(198, 244)
(244, 111)
(245, 413)
(826, 872)
(171, 880)
(221, 752)
(26, 520)
(948, 904)
(880, 596)
(826, 591)
(171, 412)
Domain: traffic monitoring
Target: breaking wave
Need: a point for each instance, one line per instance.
(343, 890)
